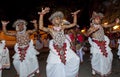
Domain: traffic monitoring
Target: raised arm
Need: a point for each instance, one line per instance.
(74, 14)
(35, 26)
(91, 30)
(117, 21)
(116, 31)
(4, 24)
(42, 13)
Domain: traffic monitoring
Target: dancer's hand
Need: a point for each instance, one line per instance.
(117, 20)
(44, 11)
(34, 21)
(4, 23)
(75, 13)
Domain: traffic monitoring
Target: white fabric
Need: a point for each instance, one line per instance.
(68, 37)
(80, 53)
(4, 57)
(101, 64)
(55, 68)
(30, 65)
(118, 53)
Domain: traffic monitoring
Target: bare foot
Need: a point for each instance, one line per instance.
(93, 73)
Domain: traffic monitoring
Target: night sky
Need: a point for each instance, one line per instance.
(27, 9)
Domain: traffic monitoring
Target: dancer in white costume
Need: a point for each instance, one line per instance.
(101, 59)
(4, 57)
(25, 59)
(101, 52)
(62, 61)
(118, 53)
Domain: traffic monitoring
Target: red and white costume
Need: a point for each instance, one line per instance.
(56, 67)
(4, 57)
(101, 56)
(29, 65)
(62, 60)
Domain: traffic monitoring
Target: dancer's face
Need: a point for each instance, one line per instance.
(21, 26)
(97, 20)
(56, 20)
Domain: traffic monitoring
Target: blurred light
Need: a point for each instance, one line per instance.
(83, 30)
(105, 23)
(116, 27)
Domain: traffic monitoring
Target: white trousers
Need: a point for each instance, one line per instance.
(80, 53)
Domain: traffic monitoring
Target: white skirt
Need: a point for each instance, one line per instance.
(55, 68)
(4, 57)
(101, 64)
(29, 66)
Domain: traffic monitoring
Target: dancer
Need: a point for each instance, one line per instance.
(25, 60)
(101, 52)
(62, 60)
(4, 57)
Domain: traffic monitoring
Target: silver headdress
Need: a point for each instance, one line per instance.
(95, 14)
(17, 22)
(56, 14)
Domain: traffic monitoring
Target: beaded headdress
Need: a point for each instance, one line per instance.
(17, 22)
(95, 14)
(56, 14)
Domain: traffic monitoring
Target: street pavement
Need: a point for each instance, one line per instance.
(84, 71)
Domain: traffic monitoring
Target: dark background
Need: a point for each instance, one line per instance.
(28, 9)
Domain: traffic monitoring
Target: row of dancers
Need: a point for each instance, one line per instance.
(62, 61)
